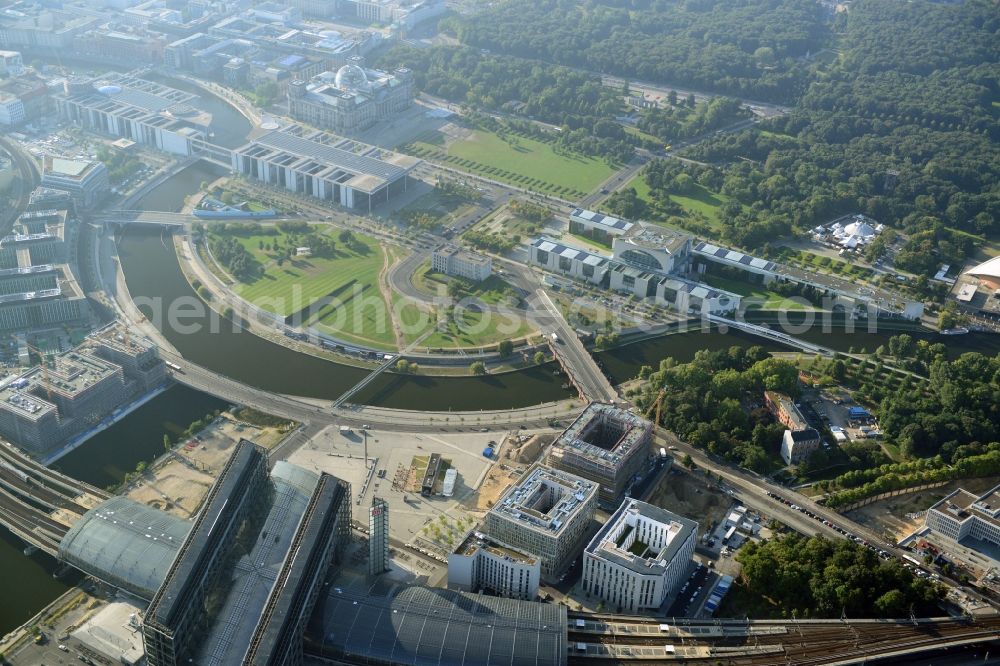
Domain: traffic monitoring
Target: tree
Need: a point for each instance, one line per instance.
(688, 461)
(505, 348)
(402, 366)
(478, 368)
(539, 358)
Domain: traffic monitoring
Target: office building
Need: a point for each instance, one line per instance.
(325, 166)
(964, 515)
(47, 405)
(598, 227)
(842, 293)
(138, 357)
(257, 554)
(32, 26)
(11, 63)
(654, 248)
(453, 260)
(352, 99)
(548, 514)
(7, 174)
(482, 564)
(148, 113)
(406, 13)
(23, 99)
(86, 181)
(639, 557)
(799, 440)
(607, 445)
(645, 281)
(378, 537)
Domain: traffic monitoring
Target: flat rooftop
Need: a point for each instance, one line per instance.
(118, 338)
(65, 168)
(545, 499)
(24, 404)
(555, 247)
(593, 217)
(477, 541)
(369, 167)
(463, 254)
(613, 543)
(604, 432)
(656, 237)
(72, 372)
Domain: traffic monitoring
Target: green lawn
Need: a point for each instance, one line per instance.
(772, 300)
(641, 188)
(704, 202)
(635, 131)
(474, 332)
(437, 206)
(701, 200)
(518, 160)
(350, 276)
(477, 329)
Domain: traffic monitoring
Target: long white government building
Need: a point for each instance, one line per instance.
(638, 557)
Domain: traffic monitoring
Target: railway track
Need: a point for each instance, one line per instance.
(807, 643)
(27, 180)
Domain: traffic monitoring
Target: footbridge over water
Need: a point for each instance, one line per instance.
(770, 334)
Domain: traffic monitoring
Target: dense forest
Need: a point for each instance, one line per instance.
(819, 578)
(903, 127)
(736, 47)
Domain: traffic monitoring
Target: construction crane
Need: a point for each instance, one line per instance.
(658, 404)
(45, 368)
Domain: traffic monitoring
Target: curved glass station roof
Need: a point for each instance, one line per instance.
(127, 544)
(422, 626)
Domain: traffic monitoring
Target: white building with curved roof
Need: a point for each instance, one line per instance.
(987, 272)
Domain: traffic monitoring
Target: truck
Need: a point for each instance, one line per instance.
(345, 430)
(554, 336)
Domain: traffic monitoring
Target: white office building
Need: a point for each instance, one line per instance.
(146, 112)
(548, 514)
(86, 181)
(963, 515)
(638, 557)
(453, 260)
(626, 276)
(325, 166)
(11, 109)
(11, 63)
(482, 564)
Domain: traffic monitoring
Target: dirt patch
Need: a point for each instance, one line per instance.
(689, 494)
(900, 516)
(177, 488)
(526, 450)
(499, 478)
